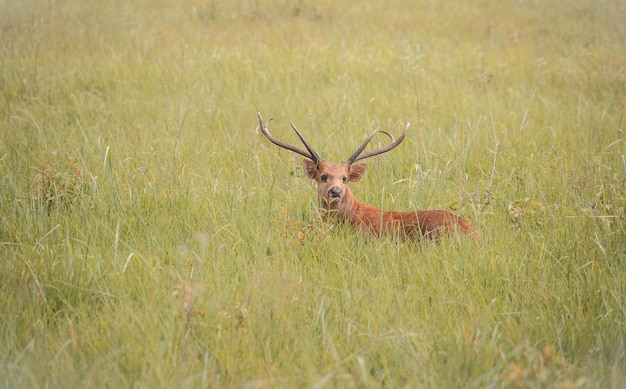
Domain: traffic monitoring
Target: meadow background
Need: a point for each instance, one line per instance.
(150, 236)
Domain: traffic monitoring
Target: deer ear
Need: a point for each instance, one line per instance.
(356, 172)
(310, 168)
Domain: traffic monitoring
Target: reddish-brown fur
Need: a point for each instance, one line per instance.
(336, 198)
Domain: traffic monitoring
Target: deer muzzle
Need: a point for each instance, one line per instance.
(334, 193)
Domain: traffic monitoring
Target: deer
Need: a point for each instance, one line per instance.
(335, 199)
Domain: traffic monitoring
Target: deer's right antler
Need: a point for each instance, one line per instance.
(311, 154)
(357, 156)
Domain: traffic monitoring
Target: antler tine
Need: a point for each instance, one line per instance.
(394, 142)
(358, 151)
(388, 134)
(316, 158)
(310, 155)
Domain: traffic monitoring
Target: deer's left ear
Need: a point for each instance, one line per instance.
(356, 172)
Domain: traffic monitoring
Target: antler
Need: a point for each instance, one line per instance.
(311, 154)
(394, 142)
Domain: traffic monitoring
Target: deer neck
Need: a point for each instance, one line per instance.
(350, 209)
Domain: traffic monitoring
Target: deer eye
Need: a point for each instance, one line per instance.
(324, 178)
(345, 179)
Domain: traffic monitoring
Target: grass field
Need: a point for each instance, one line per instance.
(151, 237)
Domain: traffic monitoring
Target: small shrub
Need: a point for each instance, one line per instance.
(54, 188)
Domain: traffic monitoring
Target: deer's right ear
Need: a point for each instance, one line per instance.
(356, 172)
(310, 168)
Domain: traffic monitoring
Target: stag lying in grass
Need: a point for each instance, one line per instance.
(336, 198)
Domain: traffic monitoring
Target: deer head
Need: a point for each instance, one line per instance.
(332, 178)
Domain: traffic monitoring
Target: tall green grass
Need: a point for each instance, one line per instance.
(151, 237)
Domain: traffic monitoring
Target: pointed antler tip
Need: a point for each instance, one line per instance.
(357, 156)
(406, 127)
(310, 154)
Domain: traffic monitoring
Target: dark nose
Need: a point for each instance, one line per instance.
(335, 192)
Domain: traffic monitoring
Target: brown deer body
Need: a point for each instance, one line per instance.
(336, 198)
